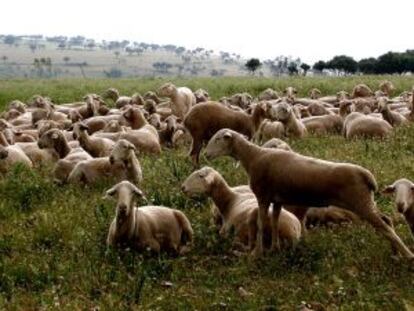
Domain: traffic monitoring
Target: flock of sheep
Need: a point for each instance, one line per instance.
(88, 141)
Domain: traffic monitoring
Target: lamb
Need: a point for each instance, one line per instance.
(403, 190)
(96, 146)
(268, 94)
(155, 227)
(121, 164)
(361, 90)
(205, 119)
(283, 112)
(277, 176)
(392, 117)
(323, 124)
(68, 156)
(238, 208)
(357, 124)
(201, 96)
(182, 98)
(315, 93)
(269, 129)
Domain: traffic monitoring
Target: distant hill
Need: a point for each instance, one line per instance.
(36, 56)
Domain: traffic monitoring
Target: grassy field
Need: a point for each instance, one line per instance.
(52, 238)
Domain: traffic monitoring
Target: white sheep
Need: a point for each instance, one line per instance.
(156, 227)
(182, 98)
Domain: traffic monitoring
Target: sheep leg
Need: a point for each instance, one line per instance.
(154, 245)
(275, 227)
(372, 216)
(263, 212)
(196, 146)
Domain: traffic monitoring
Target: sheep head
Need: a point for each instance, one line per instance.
(122, 150)
(290, 92)
(111, 93)
(199, 182)
(125, 193)
(280, 112)
(220, 144)
(315, 93)
(403, 190)
(17, 105)
(49, 138)
(167, 90)
(342, 95)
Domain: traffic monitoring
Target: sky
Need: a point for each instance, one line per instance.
(309, 29)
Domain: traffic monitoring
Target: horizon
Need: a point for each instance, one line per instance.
(312, 39)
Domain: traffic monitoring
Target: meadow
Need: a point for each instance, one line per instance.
(52, 238)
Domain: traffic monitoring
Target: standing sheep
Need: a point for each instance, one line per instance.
(182, 98)
(283, 112)
(156, 227)
(287, 178)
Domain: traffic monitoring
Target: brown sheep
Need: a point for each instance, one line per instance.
(205, 119)
(278, 176)
(269, 94)
(156, 227)
(323, 124)
(392, 117)
(284, 113)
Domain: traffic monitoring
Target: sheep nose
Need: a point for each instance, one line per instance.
(400, 207)
(183, 189)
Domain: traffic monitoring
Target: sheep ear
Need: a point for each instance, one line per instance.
(109, 193)
(389, 189)
(138, 192)
(132, 147)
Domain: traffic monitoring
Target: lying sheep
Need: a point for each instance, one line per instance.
(69, 157)
(269, 129)
(182, 98)
(238, 209)
(323, 124)
(155, 227)
(357, 124)
(121, 164)
(241, 100)
(278, 176)
(403, 190)
(268, 94)
(361, 90)
(283, 112)
(392, 117)
(277, 143)
(315, 93)
(11, 155)
(96, 146)
(205, 119)
(39, 157)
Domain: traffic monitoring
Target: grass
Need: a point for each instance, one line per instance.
(52, 238)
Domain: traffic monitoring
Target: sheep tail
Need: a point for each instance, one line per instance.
(187, 231)
(370, 180)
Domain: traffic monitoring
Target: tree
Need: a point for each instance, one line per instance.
(10, 39)
(305, 68)
(292, 68)
(252, 64)
(368, 65)
(343, 63)
(319, 65)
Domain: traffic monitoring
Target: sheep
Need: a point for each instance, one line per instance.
(121, 164)
(269, 129)
(96, 146)
(357, 124)
(268, 94)
(361, 90)
(277, 144)
(205, 119)
(283, 112)
(151, 107)
(182, 98)
(122, 101)
(11, 155)
(241, 100)
(278, 176)
(290, 93)
(113, 126)
(152, 96)
(17, 105)
(201, 96)
(386, 87)
(328, 216)
(403, 190)
(392, 117)
(315, 93)
(166, 134)
(342, 96)
(39, 157)
(317, 108)
(155, 120)
(156, 227)
(238, 209)
(323, 124)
